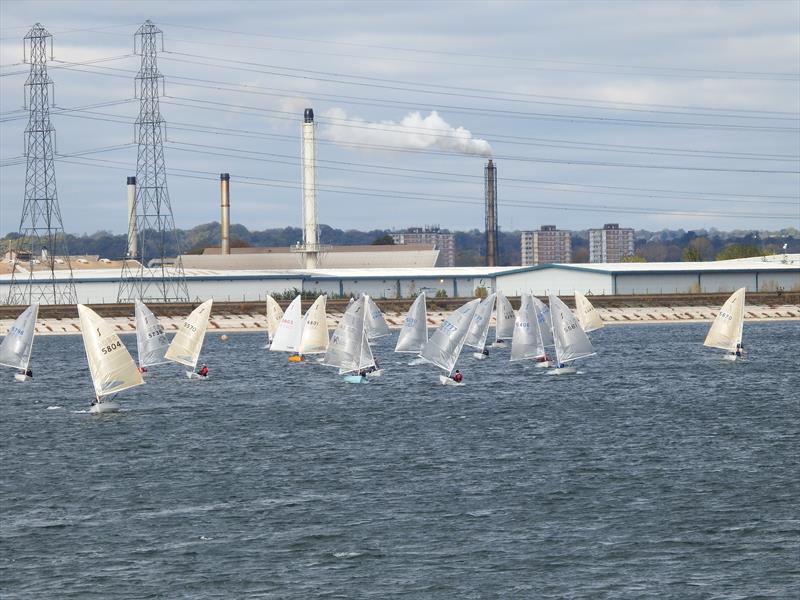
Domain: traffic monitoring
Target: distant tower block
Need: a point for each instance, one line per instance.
(492, 255)
(41, 270)
(155, 226)
(310, 249)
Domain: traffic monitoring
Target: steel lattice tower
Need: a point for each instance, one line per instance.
(41, 271)
(155, 225)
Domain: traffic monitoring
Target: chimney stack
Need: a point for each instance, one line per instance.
(225, 202)
(310, 241)
(492, 258)
(132, 245)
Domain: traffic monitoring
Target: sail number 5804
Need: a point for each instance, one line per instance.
(111, 347)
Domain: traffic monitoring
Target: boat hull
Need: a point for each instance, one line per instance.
(444, 380)
(730, 357)
(479, 356)
(102, 408)
(544, 364)
(563, 371)
(499, 344)
(373, 374)
(354, 379)
(416, 362)
(193, 375)
(21, 377)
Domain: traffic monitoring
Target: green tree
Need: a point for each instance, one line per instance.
(633, 258)
(739, 251)
(384, 240)
(698, 249)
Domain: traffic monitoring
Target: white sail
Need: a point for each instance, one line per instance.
(479, 328)
(446, 343)
(570, 340)
(187, 343)
(151, 340)
(726, 330)
(110, 364)
(290, 330)
(346, 348)
(374, 322)
(587, 314)
(314, 339)
(274, 316)
(504, 326)
(527, 341)
(15, 351)
(414, 333)
(543, 321)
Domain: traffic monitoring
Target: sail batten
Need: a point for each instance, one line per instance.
(571, 341)
(727, 329)
(290, 330)
(187, 343)
(314, 338)
(15, 351)
(446, 343)
(110, 364)
(151, 339)
(414, 333)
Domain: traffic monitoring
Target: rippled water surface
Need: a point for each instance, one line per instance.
(658, 471)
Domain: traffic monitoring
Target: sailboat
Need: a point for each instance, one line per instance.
(414, 333)
(587, 314)
(314, 337)
(571, 342)
(727, 329)
(15, 351)
(526, 343)
(504, 321)
(290, 330)
(187, 343)
(545, 327)
(151, 340)
(446, 343)
(374, 323)
(274, 316)
(479, 328)
(349, 349)
(110, 363)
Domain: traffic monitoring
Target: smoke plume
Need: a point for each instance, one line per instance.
(413, 132)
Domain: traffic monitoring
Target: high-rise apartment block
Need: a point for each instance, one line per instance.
(610, 244)
(444, 241)
(547, 245)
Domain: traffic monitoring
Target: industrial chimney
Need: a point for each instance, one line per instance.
(132, 247)
(490, 173)
(310, 241)
(225, 204)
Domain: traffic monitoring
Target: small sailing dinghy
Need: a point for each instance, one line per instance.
(349, 349)
(290, 330)
(544, 326)
(727, 329)
(571, 342)
(274, 316)
(187, 343)
(479, 328)
(314, 336)
(526, 344)
(15, 351)
(444, 347)
(414, 333)
(374, 323)
(151, 340)
(110, 363)
(504, 321)
(587, 314)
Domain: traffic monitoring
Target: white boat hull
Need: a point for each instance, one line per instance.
(354, 379)
(563, 371)
(479, 356)
(193, 375)
(21, 377)
(499, 344)
(544, 364)
(102, 408)
(377, 373)
(444, 380)
(730, 357)
(416, 362)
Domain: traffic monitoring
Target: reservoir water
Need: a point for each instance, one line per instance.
(660, 471)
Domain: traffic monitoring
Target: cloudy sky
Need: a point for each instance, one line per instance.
(650, 114)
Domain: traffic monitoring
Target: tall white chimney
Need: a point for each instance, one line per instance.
(310, 240)
(132, 246)
(225, 202)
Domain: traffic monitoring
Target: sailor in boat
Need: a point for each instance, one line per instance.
(739, 350)
(544, 358)
(458, 376)
(203, 372)
(27, 372)
(296, 358)
(485, 351)
(142, 369)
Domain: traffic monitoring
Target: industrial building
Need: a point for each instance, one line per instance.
(442, 239)
(610, 244)
(547, 245)
(767, 274)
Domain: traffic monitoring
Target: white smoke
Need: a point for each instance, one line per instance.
(413, 132)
